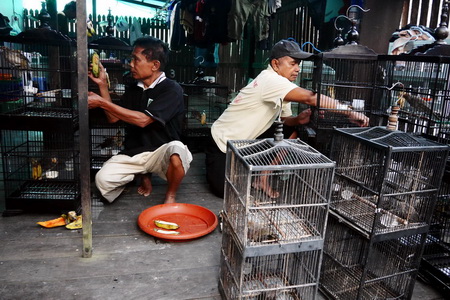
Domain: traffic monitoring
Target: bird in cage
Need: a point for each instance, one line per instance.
(36, 169)
(15, 58)
(259, 229)
(112, 141)
(417, 103)
(107, 142)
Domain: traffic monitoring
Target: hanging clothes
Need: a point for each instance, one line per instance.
(241, 11)
(177, 34)
(205, 21)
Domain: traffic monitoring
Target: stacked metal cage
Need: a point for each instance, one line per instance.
(420, 88)
(384, 193)
(273, 237)
(39, 121)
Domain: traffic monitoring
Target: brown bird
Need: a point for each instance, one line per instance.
(418, 104)
(15, 58)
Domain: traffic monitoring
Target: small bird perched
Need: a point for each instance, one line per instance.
(417, 103)
(112, 141)
(15, 58)
(107, 143)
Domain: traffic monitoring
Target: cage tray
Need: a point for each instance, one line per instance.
(362, 212)
(194, 220)
(47, 190)
(285, 227)
(38, 119)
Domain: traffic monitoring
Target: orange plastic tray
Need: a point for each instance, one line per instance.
(194, 220)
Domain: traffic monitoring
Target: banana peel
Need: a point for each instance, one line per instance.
(77, 224)
(63, 220)
(166, 225)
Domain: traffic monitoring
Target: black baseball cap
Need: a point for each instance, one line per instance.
(288, 48)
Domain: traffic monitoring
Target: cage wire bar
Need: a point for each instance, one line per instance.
(273, 235)
(38, 122)
(384, 193)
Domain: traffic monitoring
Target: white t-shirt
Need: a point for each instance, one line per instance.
(254, 109)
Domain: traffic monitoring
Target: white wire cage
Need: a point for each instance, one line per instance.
(247, 275)
(277, 193)
(275, 210)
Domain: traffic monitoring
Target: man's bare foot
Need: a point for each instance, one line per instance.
(261, 184)
(169, 199)
(304, 117)
(145, 189)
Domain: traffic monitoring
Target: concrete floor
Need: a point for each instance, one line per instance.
(39, 263)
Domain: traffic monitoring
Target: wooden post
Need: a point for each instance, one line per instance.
(85, 179)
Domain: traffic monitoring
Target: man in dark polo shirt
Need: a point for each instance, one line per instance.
(153, 110)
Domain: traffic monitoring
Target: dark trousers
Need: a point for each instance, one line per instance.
(215, 161)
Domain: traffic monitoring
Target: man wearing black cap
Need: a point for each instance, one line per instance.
(257, 106)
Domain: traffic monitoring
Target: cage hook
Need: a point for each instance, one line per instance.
(335, 20)
(203, 59)
(395, 84)
(357, 6)
(339, 41)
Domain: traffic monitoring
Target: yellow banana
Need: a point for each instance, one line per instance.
(94, 60)
(169, 232)
(166, 225)
(77, 224)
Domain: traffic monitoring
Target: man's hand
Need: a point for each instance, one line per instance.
(94, 100)
(102, 80)
(304, 117)
(358, 118)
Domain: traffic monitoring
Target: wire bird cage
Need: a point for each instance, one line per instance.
(351, 267)
(38, 169)
(347, 74)
(386, 180)
(435, 265)
(275, 210)
(204, 102)
(383, 198)
(36, 80)
(291, 275)
(421, 91)
(106, 139)
(421, 79)
(39, 121)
